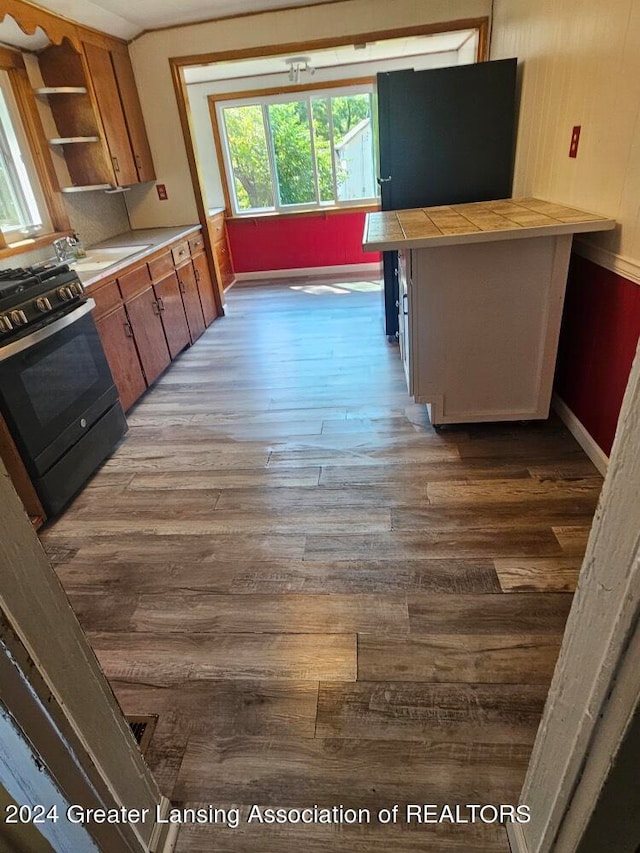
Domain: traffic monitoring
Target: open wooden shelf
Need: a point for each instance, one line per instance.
(68, 140)
(61, 90)
(86, 188)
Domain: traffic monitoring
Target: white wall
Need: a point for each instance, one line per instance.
(151, 52)
(580, 65)
(201, 119)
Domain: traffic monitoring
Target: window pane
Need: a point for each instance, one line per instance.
(291, 134)
(9, 215)
(249, 157)
(18, 207)
(353, 142)
(322, 143)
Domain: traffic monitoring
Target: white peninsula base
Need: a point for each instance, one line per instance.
(481, 298)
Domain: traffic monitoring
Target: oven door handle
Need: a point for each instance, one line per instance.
(9, 350)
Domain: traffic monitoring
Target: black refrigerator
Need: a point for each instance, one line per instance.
(446, 136)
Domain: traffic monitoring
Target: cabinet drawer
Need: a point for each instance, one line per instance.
(134, 282)
(107, 298)
(196, 244)
(162, 266)
(216, 228)
(180, 252)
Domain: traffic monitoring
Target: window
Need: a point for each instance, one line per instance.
(299, 152)
(23, 211)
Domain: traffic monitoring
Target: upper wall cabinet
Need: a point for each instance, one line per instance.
(100, 122)
(119, 105)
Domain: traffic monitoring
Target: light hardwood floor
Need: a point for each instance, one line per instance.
(325, 600)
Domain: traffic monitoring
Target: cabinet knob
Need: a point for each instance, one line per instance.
(116, 165)
(128, 330)
(181, 286)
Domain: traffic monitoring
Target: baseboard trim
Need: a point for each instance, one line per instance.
(626, 267)
(579, 432)
(164, 836)
(516, 838)
(345, 269)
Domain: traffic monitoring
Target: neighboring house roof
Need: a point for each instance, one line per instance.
(355, 131)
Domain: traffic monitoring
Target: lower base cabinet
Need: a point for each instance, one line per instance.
(205, 288)
(144, 315)
(116, 335)
(174, 320)
(151, 312)
(191, 298)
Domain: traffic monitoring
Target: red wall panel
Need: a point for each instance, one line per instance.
(598, 341)
(291, 242)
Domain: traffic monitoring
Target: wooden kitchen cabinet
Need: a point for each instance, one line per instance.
(220, 248)
(133, 116)
(144, 316)
(172, 313)
(152, 311)
(116, 335)
(205, 287)
(191, 298)
(102, 115)
(107, 94)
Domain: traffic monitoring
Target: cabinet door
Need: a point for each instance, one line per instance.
(144, 316)
(117, 339)
(191, 299)
(106, 88)
(133, 116)
(223, 262)
(205, 288)
(172, 314)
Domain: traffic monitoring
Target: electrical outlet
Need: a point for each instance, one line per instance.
(575, 139)
(162, 192)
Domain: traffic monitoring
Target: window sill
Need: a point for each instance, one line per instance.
(31, 243)
(319, 211)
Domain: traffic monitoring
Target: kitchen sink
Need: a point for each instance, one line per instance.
(98, 259)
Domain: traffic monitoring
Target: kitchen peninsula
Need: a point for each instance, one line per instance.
(481, 294)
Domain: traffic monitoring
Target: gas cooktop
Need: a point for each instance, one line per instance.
(33, 296)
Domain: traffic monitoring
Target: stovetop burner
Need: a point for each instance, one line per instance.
(19, 279)
(34, 296)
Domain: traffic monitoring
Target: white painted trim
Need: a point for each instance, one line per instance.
(344, 269)
(577, 429)
(626, 267)
(163, 839)
(515, 836)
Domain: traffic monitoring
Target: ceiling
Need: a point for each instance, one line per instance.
(125, 19)
(347, 54)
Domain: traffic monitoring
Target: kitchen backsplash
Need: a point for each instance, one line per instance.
(95, 216)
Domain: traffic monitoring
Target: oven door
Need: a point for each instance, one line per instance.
(54, 384)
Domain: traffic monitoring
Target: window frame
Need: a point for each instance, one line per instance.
(48, 190)
(286, 94)
(21, 172)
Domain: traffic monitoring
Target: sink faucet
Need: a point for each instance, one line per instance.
(64, 248)
(68, 248)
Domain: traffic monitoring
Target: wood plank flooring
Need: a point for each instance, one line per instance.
(325, 600)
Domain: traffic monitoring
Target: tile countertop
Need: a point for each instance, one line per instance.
(476, 222)
(154, 238)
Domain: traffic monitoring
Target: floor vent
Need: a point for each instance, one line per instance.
(142, 727)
